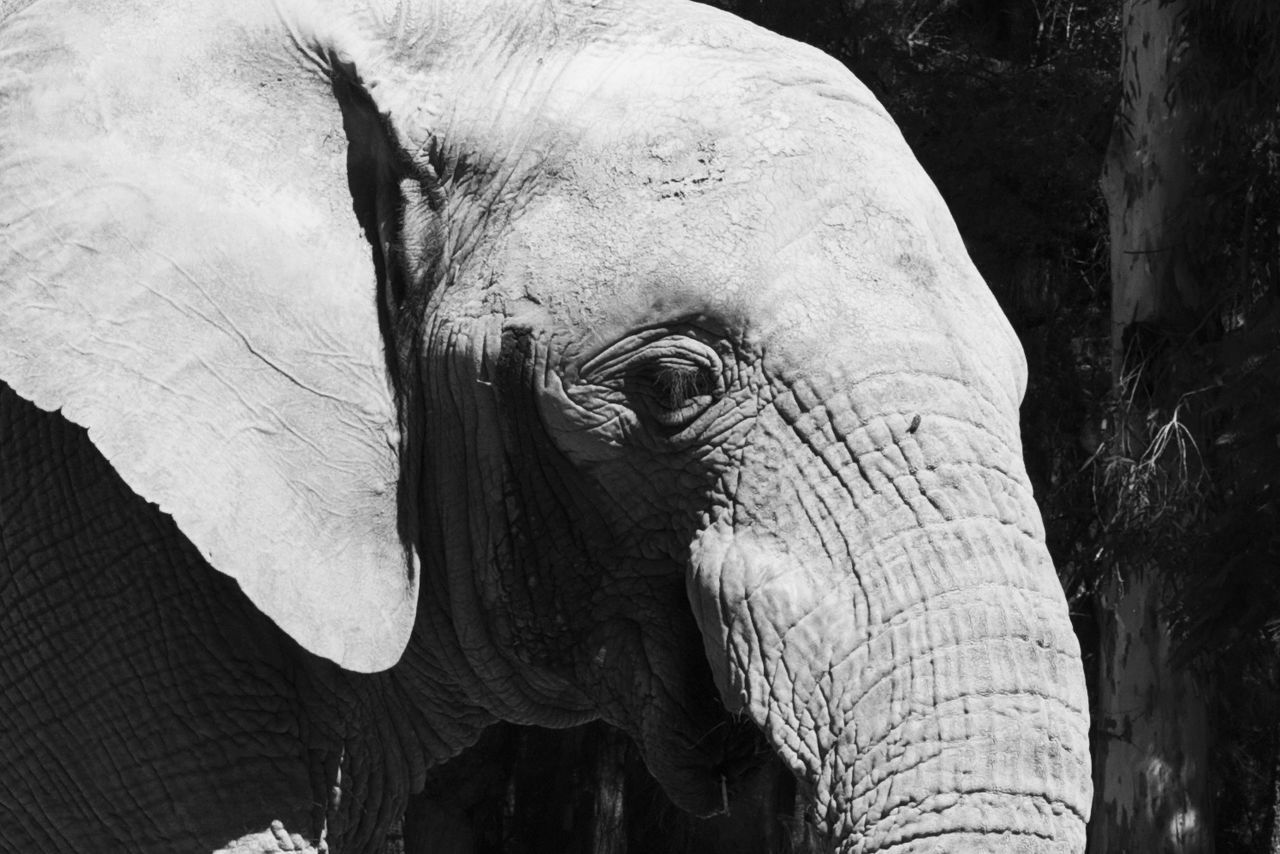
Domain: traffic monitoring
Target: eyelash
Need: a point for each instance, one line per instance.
(676, 394)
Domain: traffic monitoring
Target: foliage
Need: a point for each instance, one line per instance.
(1152, 475)
(1238, 48)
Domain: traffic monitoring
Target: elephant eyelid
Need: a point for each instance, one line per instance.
(693, 342)
(672, 388)
(667, 379)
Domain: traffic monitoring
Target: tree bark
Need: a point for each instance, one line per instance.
(1275, 802)
(1151, 775)
(608, 820)
(1152, 792)
(1147, 178)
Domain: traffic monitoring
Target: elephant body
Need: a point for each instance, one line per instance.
(132, 668)
(376, 372)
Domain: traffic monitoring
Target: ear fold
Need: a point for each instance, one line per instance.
(182, 272)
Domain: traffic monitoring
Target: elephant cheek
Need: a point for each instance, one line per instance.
(925, 707)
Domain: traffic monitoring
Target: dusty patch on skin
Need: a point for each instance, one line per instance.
(676, 169)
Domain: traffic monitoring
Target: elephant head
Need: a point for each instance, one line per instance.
(616, 359)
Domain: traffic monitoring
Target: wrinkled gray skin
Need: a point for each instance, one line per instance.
(537, 362)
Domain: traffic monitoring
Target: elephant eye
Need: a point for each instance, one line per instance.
(673, 392)
(667, 377)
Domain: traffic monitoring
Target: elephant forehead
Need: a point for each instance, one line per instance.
(670, 124)
(731, 202)
(834, 278)
(765, 250)
(636, 113)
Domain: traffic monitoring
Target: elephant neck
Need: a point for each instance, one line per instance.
(435, 715)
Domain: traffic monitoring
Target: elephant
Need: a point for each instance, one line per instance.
(377, 372)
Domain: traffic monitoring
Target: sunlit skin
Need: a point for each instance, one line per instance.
(539, 363)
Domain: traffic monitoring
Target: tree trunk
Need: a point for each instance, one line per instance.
(1146, 180)
(1151, 775)
(1275, 802)
(608, 820)
(1152, 792)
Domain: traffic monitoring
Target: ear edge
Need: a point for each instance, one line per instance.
(134, 287)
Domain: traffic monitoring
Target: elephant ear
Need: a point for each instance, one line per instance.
(182, 273)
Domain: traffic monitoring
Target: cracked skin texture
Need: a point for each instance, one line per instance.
(425, 366)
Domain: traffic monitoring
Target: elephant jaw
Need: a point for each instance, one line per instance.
(698, 750)
(953, 721)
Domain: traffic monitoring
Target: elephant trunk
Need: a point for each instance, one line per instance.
(917, 669)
